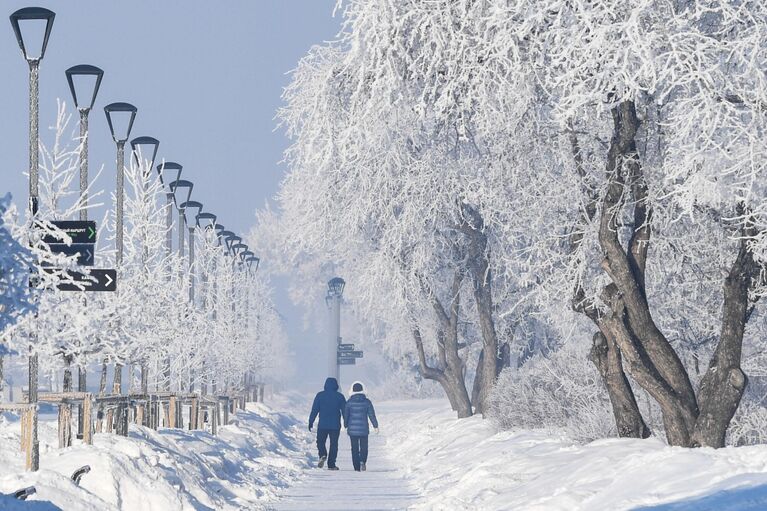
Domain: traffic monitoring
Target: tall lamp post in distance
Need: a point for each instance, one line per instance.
(21, 21)
(86, 80)
(120, 117)
(191, 205)
(144, 150)
(84, 83)
(182, 192)
(333, 299)
(169, 173)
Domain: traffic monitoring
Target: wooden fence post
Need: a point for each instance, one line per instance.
(172, 411)
(87, 420)
(65, 425)
(193, 412)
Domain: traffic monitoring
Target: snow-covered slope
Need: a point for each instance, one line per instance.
(463, 464)
(242, 467)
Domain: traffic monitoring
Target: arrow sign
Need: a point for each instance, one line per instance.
(347, 361)
(83, 251)
(81, 231)
(345, 347)
(98, 280)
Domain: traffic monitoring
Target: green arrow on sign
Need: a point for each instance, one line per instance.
(91, 233)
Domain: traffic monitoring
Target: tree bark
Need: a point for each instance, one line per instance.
(723, 384)
(662, 372)
(606, 357)
(481, 277)
(605, 353)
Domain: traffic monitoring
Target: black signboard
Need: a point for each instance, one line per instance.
(81, 231)
(97, 280)
(345, 347)
(84, 251)
(347, 361)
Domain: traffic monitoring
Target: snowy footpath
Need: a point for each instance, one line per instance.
(424, 459)
(383, 486)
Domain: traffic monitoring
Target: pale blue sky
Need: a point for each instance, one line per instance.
(206, 77)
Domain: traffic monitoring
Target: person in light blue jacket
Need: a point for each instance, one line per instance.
(357, 412)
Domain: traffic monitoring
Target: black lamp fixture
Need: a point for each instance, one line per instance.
(120, 117)
(206, 221)
(24, 19)
(182, 192)
(86, 80)
(336, 287)
(192, 205)
(145, 149)
(169, 172)
(251, 261)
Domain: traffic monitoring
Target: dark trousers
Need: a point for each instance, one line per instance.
(322, 436)
(359, 450)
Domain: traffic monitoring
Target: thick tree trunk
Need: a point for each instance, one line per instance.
(654, 363)
(481, 277)
(606, 357)
(605, 353)
(721, 388)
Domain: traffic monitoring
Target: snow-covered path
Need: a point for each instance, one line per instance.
(383, 486)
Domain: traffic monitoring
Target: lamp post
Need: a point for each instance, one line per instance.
(120, 117)
(86, 80)
(190, 205)
(182, 192)
(21, 21)
(169, 172)
(144, 150)
(335, 293)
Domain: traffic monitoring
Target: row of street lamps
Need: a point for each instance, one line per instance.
(84, 84)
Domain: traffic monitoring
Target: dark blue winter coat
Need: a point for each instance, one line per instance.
(356, 414)
(329, 404)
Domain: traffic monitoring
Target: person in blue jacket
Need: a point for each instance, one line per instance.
(357, 412)
(329, 404)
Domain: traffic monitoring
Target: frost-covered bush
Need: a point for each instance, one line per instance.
(560, 391)
(14, 271)
(404, 382)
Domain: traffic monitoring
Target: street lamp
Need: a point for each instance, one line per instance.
(120, 117)
(142, 148)
(191, 205)
(206, 220)
(86, 80)
(84, 83)
(22, 21)
(182, 192)
(335, 293)
(251, 260)
(169, 173)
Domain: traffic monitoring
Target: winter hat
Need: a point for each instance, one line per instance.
(357, 388)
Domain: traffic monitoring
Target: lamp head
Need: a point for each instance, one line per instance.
(86, 80)
(145, 149)
(28, 21)
(336, 286)
(120, 117)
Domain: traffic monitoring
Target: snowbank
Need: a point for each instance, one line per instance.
(244, 466)
(464, 464)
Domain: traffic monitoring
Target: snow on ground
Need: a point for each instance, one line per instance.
(464, 464)
(382, 486)
(242, 467)
(424, 458)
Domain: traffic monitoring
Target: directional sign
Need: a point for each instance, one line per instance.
(81, 231)
(97, 280)
(355, 354)
(84, 252)
(345, 347)
(347, 361)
